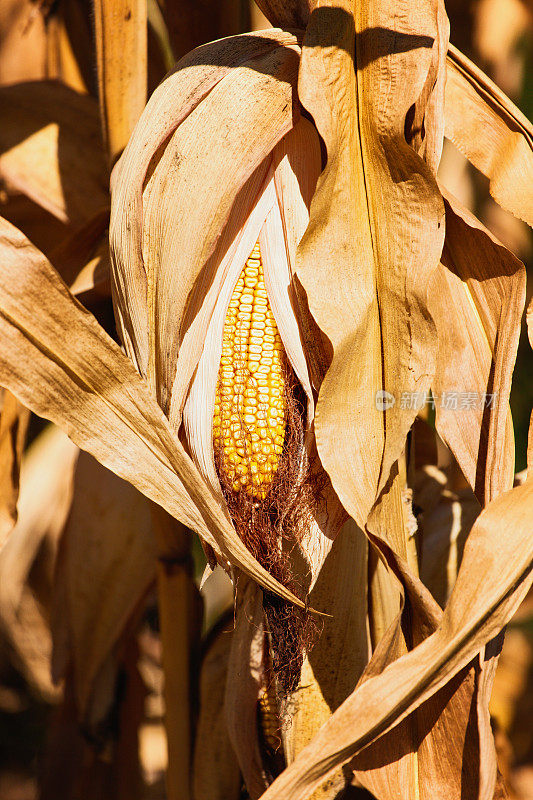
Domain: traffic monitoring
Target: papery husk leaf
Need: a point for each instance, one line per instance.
(491, 132)
(181, 92)
(364, 261)
(52, 152)
(335, 663)
(241, 120)
(14, 419)
(216, 774)
(106, 563)
(256, 215)
(121, 55)
(244, 682)
(86, 384)
(495, 575)
(476, 299)
(44, 503)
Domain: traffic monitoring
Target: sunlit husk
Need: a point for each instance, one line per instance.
(264, 223)
(249, 78)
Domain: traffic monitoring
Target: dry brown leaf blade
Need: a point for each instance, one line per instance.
(107, 561)
(52, 152)
(88, 386)
(491, 132)
(476, 300)
(14, 419)
(371, 305)
(495, 575)
(194, 78)
(45, 496)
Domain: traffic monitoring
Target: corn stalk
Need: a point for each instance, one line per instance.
(321, 145)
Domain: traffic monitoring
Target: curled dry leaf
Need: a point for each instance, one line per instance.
(44, 503)
(495, 575)
(88, 386)
(51, 151)
(491, 132)
(106, 563)
(375, 316)
(476, 299)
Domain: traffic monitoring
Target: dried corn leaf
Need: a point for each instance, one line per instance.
(495, 576)
(86, 384)
(491, 132)
(51, 151)
(373, 310)
(244, 682)
(44, 503)
(82, 258)
(121, 50)
(14, 420)
(22, 42)
(106, 563)
(337, 660)
(445, 520)
(146, 287)
(476, 300)
(216, 774)
(70, 53)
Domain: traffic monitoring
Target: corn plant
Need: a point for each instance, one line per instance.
(289, 278)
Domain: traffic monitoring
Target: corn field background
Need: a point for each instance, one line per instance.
(333, 600)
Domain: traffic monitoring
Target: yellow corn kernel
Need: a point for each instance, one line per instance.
(251, 372)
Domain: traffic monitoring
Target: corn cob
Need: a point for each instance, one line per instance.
(268, 718)
(250, 406)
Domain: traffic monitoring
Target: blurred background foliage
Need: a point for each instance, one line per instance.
(126, 756)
